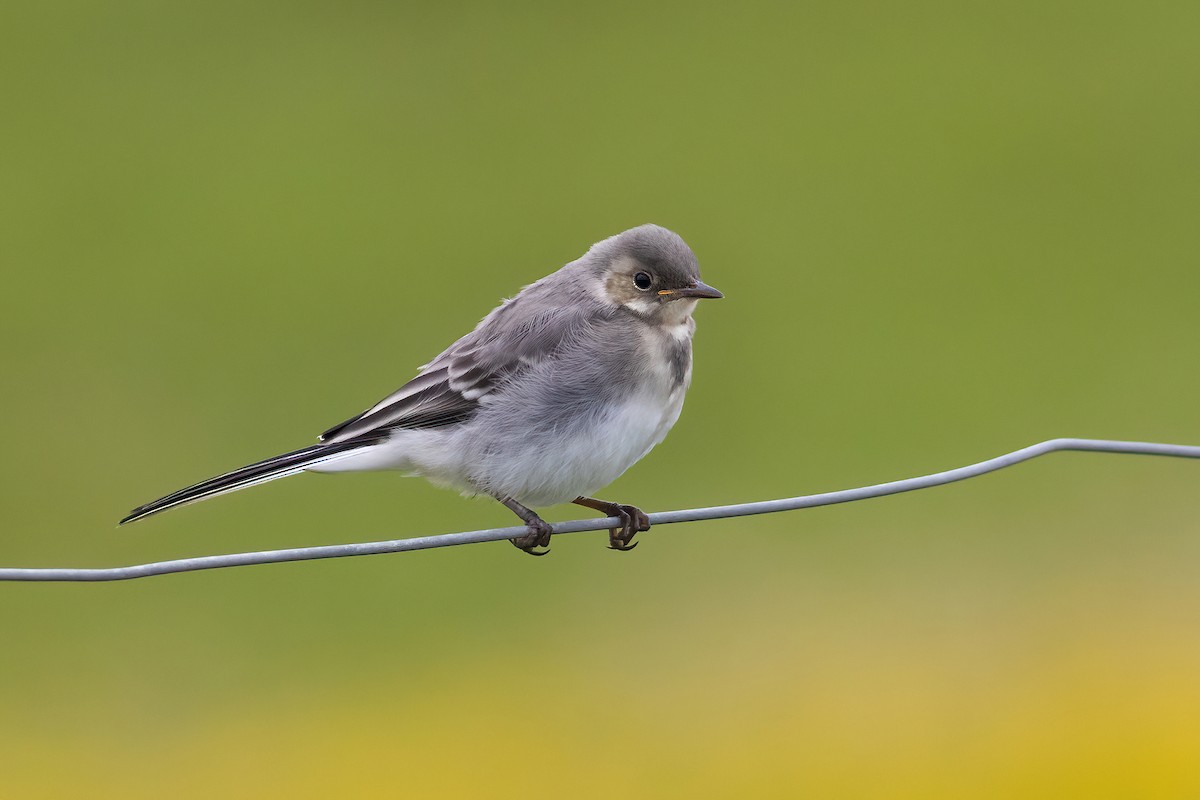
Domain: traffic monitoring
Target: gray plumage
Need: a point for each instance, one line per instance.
(552, 396)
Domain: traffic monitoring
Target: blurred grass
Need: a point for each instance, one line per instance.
(944, 231)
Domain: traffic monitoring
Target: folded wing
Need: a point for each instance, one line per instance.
(511, 340)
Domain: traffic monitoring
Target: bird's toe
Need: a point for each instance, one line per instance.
(538, 536)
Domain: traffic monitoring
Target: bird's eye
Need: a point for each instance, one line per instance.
(642, 280)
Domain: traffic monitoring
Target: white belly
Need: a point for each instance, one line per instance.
(597, 456)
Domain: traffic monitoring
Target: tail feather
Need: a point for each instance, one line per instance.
(251, 475)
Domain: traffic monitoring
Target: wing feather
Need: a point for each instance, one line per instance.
(452, 387)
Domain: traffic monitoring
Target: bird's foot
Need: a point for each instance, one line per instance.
(538, 536)
(539, 529)
(634, 521)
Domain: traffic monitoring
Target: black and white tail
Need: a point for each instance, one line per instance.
(278, 467)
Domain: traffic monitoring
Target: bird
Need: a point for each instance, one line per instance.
(553, 395)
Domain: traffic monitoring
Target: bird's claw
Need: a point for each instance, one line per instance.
(634, 521)
(538, 536)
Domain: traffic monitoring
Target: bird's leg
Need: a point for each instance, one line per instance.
(633, 521)
(539, 529)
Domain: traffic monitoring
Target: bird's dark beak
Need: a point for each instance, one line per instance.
(697, 289)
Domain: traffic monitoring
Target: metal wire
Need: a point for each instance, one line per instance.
(577, 526)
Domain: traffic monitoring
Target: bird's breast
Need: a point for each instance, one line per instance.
(596, 454)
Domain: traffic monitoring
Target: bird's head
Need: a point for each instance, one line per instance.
(650, 271)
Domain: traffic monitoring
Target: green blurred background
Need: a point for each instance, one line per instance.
(945, 231)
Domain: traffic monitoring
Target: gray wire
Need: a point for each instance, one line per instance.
(577, 526)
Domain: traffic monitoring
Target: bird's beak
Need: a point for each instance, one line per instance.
(697, 289)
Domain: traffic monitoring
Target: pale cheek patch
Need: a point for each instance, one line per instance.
(641, 305)
(617, 287)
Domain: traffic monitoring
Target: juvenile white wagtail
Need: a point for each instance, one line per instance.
(553, 395)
